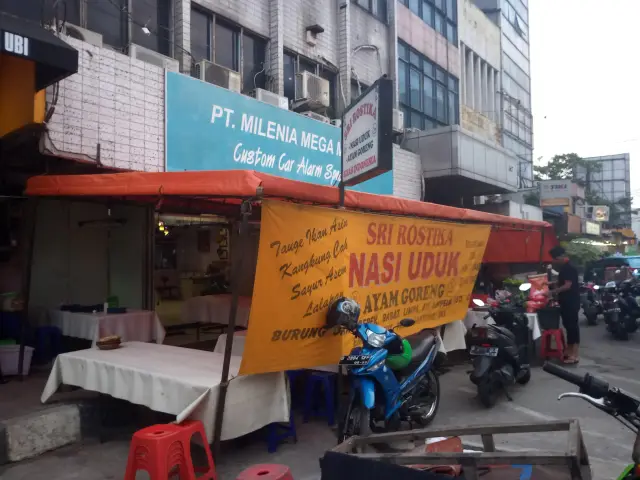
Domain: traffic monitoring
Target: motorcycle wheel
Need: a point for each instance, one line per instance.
(429, 400)
(621, 333)
(488, 393)
(525, 378)
(592, 319)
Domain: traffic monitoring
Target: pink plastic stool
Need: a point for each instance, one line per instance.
(266, 471)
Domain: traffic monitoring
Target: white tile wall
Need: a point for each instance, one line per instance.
(113, 101)
(407, 174)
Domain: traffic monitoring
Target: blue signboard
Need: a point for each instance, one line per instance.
(211, 128)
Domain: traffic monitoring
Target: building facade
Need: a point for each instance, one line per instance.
(609, 180)
(512, 18)
(124, 109)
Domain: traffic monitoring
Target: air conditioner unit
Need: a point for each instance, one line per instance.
(336, 122)
(83, 34)
(271, 98)
(312, 88)
(218, 75)
(316, 116)
(398, 120)
(154, 58)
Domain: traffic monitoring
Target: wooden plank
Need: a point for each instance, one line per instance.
(472, 459)
(412, 435)
(488, 443)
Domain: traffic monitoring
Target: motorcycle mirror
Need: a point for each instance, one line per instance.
(407, 322)
(478, 303)
(524, 287)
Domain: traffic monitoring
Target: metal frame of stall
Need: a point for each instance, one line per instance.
(217, 204)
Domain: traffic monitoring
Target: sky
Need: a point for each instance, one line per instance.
(585, 79)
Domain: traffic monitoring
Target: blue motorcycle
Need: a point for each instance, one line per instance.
(392, 379)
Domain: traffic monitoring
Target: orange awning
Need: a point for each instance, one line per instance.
(512, 241)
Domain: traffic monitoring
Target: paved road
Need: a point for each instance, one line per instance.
(608, 442)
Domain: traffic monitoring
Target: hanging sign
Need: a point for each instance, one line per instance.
(394, 267)
(367, 134)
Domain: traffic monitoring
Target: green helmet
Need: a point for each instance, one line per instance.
(399, 361)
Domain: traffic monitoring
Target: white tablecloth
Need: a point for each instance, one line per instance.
(178, 381)
(477, 317)
(453, 340)
(135, 325)
(215, 309)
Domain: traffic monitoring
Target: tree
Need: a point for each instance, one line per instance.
(580, 252)
(564, 167)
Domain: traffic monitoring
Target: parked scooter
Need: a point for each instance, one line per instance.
(591, 305)
(500, 350)
(621, 311)
(392, 379)
(621, 405)
(628, 291)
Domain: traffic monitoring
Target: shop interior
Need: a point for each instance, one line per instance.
(193, 256)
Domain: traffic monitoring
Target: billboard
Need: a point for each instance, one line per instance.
(212, 128)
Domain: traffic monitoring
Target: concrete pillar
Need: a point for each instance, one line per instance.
(463, 71)
(182, 35)
(484, 88)
(392, 8)
(477, 84)
(498, 97)
(344, 56)
(470, 79)
(276, 45)
(492, 94)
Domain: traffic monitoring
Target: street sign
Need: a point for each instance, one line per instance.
(367, 134)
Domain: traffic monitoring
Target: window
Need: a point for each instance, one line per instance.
(428, 94)
(441, 15)
(378, 8)
(120, 22)
(219, 41)
(153, 14)
(201, 35)
(226, 46)
(290, 67)
(110, 20)
(294, 63)
(254, 51)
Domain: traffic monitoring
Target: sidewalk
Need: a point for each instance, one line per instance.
(107, 461)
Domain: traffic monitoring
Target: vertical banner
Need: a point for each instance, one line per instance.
(394, 267)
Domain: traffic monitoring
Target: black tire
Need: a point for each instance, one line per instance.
(525, 378)
(621, 333)
(433, 394)
(592, 319)
(487, 393)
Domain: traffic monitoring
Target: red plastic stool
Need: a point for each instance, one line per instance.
(266, 472)
(159, 449)
(546, 350)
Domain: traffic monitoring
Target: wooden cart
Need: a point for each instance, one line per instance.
(571, 464)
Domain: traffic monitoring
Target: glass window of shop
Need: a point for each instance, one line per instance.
(441, 15)
(428, 94)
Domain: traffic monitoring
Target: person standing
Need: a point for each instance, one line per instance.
(568, 291)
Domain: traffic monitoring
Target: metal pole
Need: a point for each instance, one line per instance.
(30, 231)
(245, 210)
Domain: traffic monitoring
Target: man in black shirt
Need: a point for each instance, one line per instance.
(568, 292)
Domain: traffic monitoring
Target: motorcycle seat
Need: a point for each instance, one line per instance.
(421, 344)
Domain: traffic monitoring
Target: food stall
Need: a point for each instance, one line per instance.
(243, 197)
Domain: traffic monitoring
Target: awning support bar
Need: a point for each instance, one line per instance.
(236, 268)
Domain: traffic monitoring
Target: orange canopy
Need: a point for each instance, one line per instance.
(512, 240)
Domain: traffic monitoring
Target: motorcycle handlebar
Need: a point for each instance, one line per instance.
(588, 384)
